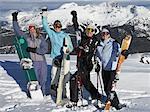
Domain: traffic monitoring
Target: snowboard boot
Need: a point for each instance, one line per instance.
(120, 106)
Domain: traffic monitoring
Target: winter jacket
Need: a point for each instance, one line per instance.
(108, 52)
(39, 43)
(57, 39)
(86, 51)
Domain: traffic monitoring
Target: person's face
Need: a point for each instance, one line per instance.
(57, 27)
(105, 35)
(32, 30)
(90, 32)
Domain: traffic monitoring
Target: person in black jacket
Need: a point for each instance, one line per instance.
(85, 52)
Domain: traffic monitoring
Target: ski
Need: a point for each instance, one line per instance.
(27, 65)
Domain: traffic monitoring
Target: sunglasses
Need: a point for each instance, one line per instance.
(57, 26)
(105, 33)
(90, 30)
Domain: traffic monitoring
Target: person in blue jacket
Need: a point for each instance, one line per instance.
(56, 36)
(108, 52)
(37, 46)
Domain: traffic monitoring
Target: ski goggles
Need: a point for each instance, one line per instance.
(90, 30)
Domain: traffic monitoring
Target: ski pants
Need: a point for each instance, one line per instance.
(41, 73)
(85, 78)
(55, 74)
(108, 78)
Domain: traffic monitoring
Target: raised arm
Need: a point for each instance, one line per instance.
(45, 23)
(75, 20)
(16, 27)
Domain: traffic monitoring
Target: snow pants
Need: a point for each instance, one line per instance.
(41, 73)
(55, 74)
(108, 78)
(85, 78)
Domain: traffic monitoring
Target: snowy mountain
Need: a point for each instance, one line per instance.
(107, 13)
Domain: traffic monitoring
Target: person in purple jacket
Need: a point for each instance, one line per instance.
(37, 46)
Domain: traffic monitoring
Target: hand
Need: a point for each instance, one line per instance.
(67, 50)
(14, 15)
(30, 49)
(116, 78)
(44, 9)
(73, 13)
(97, 68)
(125, 53)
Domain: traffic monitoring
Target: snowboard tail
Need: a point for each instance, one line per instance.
(27, 66)
(64, 71)
(124, 46)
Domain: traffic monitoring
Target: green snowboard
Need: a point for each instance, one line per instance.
(21, 45)
(26, 63)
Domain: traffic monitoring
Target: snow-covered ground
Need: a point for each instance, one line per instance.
(133, 87)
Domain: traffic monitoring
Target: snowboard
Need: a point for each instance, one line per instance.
(27, 66)
(65, 68)
(124, 46)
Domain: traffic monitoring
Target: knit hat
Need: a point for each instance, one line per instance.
(105, 30)
(92, 26)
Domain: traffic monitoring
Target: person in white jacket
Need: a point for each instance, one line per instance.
(108, 52)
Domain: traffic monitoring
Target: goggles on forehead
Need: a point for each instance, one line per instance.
(31, 27)
(89, 30)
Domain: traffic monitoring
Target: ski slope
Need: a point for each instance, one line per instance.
(133, 87)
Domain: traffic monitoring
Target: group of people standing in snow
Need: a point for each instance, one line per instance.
(89, 45)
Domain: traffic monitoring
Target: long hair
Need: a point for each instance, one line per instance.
(38, 31)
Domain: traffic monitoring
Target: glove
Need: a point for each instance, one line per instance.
(30, 49)
(14, 15)
(97, 68)
(58, 60)
(116, 78)
(44, 9)
(73, 13)
(44, 12)
(125, 53)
